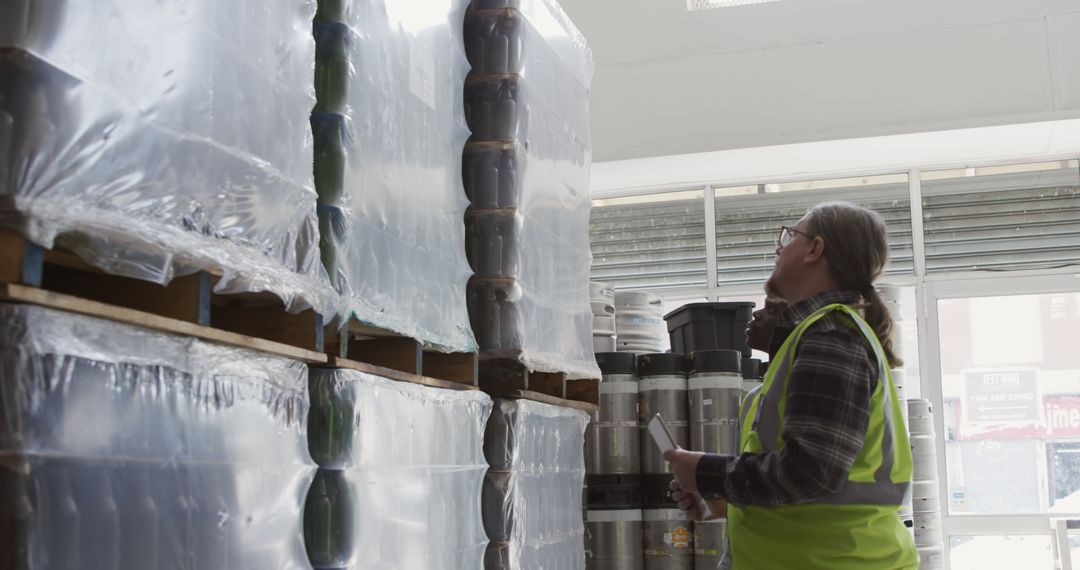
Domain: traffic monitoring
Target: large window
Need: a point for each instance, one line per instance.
(1010, 376)
(986, 261)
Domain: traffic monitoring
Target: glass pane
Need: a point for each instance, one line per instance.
(1003, 217)
(650, 242)
(1004, 552)
(1010, 369)
(747, 223)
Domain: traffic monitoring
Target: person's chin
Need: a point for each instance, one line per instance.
(770, 284)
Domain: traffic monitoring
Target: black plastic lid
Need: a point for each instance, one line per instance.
(751, 368)
(745, 307)
(617, 363)
(662, 364)
(702, 361)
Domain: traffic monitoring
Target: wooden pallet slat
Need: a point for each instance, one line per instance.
(584, 390)
(400, 353)
(20, 261)
(304, 330)
(15, 293)
(548, 399)
(502, 375)
(461, 367)
(180, 299)
(386, 349)
(392, 374)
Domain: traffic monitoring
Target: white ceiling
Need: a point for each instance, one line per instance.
(671, 82)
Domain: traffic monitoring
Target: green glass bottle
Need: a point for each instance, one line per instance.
(329, 520)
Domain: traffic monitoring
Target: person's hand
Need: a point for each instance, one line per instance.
(686, 501)
(692, 505)
(684, 465)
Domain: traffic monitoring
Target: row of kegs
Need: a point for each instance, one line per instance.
(631, 522)
(627, 321)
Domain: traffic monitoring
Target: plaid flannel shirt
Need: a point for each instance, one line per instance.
(828, 412)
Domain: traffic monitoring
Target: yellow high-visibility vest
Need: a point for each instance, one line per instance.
(857, 528)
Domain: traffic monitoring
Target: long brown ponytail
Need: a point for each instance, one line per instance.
(857, 249)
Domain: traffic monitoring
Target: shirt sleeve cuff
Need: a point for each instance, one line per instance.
(712, 475)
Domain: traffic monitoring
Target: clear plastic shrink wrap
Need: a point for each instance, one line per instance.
(401, 472)
(159, 139)
(526, 172)
(122, 447)
(532, 494)
(389, 132)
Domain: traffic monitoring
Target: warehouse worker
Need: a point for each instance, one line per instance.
(825, 462)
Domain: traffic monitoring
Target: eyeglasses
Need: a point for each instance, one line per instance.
(788, 234)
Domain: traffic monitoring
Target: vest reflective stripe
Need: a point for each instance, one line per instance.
(744, 408)
(887, 484)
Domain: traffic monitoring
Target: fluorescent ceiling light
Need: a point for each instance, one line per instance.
(708, 4)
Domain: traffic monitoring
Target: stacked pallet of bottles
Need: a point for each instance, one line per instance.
(389, 129)
(129, 448)
(532, 498)
(157, 143)
(526, 174)
(400, 473)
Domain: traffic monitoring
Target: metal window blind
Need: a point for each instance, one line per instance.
(747, 226)
(1028, 220)
(653, 246)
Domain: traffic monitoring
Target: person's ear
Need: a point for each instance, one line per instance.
(816, 251)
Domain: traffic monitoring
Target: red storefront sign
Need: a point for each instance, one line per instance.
(1061, 419)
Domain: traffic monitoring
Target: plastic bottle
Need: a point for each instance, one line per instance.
(64, 517)
(139, 522)
(100, 523)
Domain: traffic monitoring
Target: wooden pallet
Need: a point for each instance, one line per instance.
(189, 299)
(393, 374)
(546, 399)
(14, 293)
(388, 350)
(584, 390)
(57, 274)
(500, 376)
